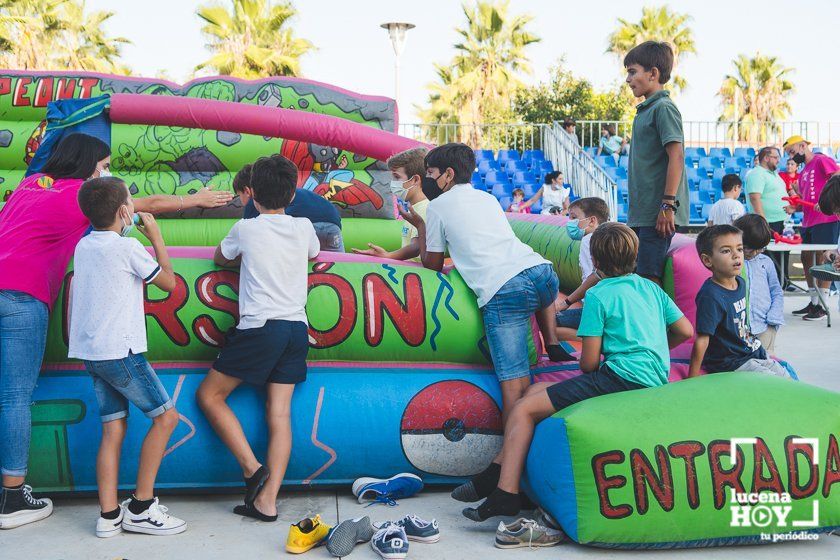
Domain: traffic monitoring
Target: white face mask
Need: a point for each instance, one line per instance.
(104, 173)
(398, 189)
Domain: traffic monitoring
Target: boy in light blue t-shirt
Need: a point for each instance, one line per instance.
(635, 348)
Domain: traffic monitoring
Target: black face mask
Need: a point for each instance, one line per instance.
(799, 158)
(430, 187)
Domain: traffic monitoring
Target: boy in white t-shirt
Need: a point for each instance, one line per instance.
(268, 347)
(510, 280)
(585, 215)
(407, 170)
(729, 208)
(108, 332)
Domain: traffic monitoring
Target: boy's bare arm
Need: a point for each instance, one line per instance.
(665, 224)
(204, 198)
(579, 294)
(590, 356)
(221, 260)
(165, 280)
(679, 331)
(698, 351)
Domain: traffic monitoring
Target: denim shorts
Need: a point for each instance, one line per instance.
(588, 386)
(128, 380)
(329, 236)
(569, 318)
(273, 353)
(507, 318)
(652, 252)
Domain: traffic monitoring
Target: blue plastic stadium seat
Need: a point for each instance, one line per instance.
(747, 153)
(720, 153)
(695, 151)
(695, 174)
(505, 202)
(476, 177)
(605, 161)
(495, 176)
(720, 172)
(533, 155)
(736, 163)
(624, 162)
(529, 189)
(546, 167)
(696, 214)
(486, 165)
(622, 212)
(704, 213)
(709, 162)
(536, 207)
(592, 150)
(512, 166)
(520, 177)
(481, 155)
(507, 155)
(623, 194)
(501, 189)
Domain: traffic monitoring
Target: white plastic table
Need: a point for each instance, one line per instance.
(785, 249)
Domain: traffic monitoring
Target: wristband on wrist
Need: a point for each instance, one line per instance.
(180, 202)
(567, 302)
(665, 206)
(669, 197)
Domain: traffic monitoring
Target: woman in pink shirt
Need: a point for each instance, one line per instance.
(39, 228)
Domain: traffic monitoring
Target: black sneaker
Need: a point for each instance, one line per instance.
(18, 507)
(817, 314)
(805, 310)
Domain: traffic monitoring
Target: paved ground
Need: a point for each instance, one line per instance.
(215, 533)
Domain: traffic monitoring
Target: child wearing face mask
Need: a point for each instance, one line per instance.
(407, 170)
(108, 332)
(516, 205)
(585, 215)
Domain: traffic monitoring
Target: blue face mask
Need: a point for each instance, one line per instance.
(127, 228)
(574, 230)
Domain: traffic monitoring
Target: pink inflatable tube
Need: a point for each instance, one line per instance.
(276, 122)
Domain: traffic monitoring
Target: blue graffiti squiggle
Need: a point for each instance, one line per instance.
(444, 285)
(392, 272)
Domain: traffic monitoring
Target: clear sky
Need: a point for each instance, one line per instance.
(354, 53)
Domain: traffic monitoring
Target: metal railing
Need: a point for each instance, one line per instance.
(580, 170)
(479, 136)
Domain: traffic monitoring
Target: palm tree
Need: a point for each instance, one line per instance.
(656, 24)
(756, 96)
(484, 75)
(252, 40)
(57, 35)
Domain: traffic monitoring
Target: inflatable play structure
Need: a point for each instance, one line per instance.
(400, 376)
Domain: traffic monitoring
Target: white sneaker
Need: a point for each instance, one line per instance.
(109, 527)
(153, 521)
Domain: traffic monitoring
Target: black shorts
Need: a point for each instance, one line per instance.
(273, 353)
(821, 234)
(588, 386)
(652, 251)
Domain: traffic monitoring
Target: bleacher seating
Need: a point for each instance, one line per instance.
(720, 153)
(507, 155)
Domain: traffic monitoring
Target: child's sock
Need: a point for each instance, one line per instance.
(556, 353)
(479, 486)
(498, 503)
(813, 293)
(137, 507)
(13, 488)
(113, 514)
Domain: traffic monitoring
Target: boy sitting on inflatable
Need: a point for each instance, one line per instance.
(585, 215)
(724, 341)
(635, 347)
(407, 170)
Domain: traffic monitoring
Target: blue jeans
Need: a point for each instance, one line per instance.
(569, 318)
(329, 235)
(507, 318)
(128, 380)
(23, 335)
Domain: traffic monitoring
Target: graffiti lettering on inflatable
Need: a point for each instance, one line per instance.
(37, 92)
(347, 307)
(802, 467)
(165, 311)
(207, 288)
(409, 317)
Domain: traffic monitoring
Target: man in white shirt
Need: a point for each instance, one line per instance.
(510, 280)
(268, 347)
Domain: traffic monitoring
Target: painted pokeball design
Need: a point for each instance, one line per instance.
(451, 428)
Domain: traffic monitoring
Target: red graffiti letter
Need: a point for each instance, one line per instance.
(796, 490)
(65, 88)
(87, 86)
(721, 478)
(43, 92)
(688, 451)
(644, 477)
(832, 466)
(165, 311)
(409, 318)
(20, 92)
(605, 483)
(762, 457)
(347, 307)
(207, 289)
(5, 86)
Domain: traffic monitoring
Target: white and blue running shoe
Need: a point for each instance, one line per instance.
(419, 530)
(390, 542)
(387, 491)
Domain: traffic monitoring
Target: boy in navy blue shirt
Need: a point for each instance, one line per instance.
(324, 216)
(723, 339)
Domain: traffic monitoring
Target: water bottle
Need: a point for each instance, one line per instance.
(788, 228)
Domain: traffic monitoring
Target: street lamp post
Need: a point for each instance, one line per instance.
(396, 31)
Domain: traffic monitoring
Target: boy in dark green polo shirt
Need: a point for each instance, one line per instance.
(656, 175)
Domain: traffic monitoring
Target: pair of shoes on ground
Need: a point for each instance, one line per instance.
(387, 490)
(389, 539)
(529, 533)
(18, 507)
(253, 486)
(306, 534)
(812, 312)
(154, 520)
